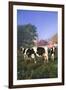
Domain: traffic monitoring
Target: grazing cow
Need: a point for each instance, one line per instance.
(29, 54)
(53, 53)
(42, 52)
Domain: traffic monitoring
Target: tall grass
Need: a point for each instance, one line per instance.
(27, 69)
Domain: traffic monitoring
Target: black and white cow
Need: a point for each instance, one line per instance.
(52, 52)
(29, 54)
(43, 52)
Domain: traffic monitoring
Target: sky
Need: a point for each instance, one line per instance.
(45, 21)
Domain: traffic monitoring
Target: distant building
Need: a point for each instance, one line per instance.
(40, 43)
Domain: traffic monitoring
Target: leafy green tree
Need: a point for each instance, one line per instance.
(25, 35)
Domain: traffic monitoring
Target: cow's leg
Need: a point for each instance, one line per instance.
(27, 59)
(45, 57)
(34, 61)
(52, 57)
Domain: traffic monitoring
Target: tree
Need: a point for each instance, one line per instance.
(25, 35)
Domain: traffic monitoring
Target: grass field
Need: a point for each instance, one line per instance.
(30, 70)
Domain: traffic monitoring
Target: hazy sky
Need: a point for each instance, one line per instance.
(45, 21)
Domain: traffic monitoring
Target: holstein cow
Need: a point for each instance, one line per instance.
(52, 53)
(41, 52)
(29, 54)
